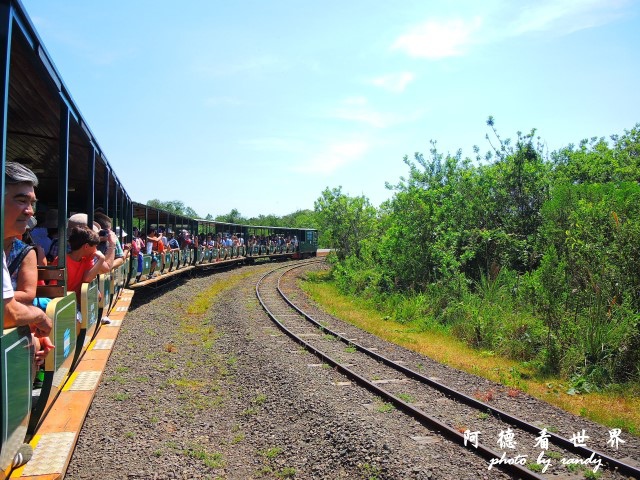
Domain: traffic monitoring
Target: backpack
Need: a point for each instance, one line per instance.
(19, 258)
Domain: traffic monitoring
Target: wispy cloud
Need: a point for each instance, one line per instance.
(333, 157)
(394, 82)
(565, 16)
(358, 109)
(502, 20)
(438, 39)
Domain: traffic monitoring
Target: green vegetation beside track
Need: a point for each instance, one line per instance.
(615, 406)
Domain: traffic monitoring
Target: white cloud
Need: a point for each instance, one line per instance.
(334, 156)
(565, 16)
(358, 109)
(438, 39)
(394, 82)
(501, 20)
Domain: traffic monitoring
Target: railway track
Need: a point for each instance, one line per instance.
(464, 420)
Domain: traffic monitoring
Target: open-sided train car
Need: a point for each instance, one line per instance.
(207, 244)
(42, 129)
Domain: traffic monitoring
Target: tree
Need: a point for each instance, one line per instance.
(345, 222)
(173, 206)
(234, 216)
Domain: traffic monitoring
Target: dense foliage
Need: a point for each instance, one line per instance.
(530, 255)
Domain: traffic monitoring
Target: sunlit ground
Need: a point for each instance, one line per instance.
(616, 410)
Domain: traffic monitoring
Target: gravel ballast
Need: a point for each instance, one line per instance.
(223, 394)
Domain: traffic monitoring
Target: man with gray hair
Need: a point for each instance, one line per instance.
(19, 200)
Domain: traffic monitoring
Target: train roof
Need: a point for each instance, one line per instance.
(37, 102)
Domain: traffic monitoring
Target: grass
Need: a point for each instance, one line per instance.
(613, 409)
(259, 399)
(385, 407)
(205, 299)
(405, 397)
(211, 460)
(271, 453)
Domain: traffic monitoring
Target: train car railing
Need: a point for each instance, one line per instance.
(105, 285)
(57, 365)
(146, 266)
(90, 312)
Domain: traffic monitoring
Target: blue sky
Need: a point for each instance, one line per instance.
(260, 105)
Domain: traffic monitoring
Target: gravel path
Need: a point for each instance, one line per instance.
(224, 395)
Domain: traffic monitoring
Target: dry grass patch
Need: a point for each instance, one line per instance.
(205, 299)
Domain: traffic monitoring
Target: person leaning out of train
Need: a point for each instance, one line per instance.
(126, 247)
(81, 220)
(154, 245)
(109, 244)
(85, 262)
(137, 247)
(19, 286)
(23, 259)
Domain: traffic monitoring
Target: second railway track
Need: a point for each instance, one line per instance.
(466, 421)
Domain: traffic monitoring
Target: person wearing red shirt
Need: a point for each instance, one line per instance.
(85, 261)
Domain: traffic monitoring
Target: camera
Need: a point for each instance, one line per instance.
(103, 233)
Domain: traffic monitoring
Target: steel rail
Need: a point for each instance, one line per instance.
(612, 462)
(419, 415)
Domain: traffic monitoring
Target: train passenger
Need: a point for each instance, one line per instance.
(126, 247)
(82, 220)
(46, 236)
(173, 243)
(53, 233)
(109, 244)
(17, 314)
(153, 248)
(22, 269)
(210, 242)
(163, 237)
(28, 239)
(185, 239)
(23, 262)
(137, 247)
(85, 262)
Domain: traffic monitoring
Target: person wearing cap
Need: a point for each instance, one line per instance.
(109, 243)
